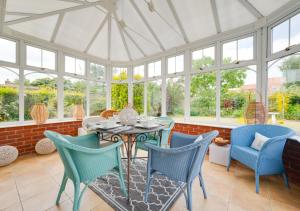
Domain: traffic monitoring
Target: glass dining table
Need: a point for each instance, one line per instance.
(129, 135)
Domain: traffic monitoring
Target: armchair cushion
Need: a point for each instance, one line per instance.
(259, 141)
(245, 155)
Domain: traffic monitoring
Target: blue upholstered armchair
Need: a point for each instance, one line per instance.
(267, 161)
(84, 160)
(182, 162)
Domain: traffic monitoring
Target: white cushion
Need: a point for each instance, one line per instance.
(259, 141)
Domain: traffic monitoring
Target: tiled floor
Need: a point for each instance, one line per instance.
(31, 183)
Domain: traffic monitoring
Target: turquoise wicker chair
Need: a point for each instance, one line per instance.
(84, 161)
(154, 138)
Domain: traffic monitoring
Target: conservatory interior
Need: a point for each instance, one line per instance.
(149, 105)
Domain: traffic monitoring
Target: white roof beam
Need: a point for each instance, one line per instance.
(251, 8)
(135, 43)
(109, 36)
(147, 24)
(20, 13)
(57, 26)
(74, 1)
(176, 17)
(2, 14)
(216, 15)
(122, 35)
(104, 3)
(96, 34)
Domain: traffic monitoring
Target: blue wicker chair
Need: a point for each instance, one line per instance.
(182, 162)
(267, 161)
(84, 161)
(154, 138)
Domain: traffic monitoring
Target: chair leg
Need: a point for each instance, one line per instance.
(286, 181)
(76, 196)
(122, 182)
(62, 188)
(189, 196)
(135, 152)
(202, 185)
(229, 162)
(257, 182)
(147, 189)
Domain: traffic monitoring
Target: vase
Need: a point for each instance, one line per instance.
(78, 113)
(128, 116)
(39, 113)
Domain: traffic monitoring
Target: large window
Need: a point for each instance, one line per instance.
(74, 94)
(286, 34)
(175, 64)
(238, 86)
(119, 74)
(40, 88)
(97, 71)
(284, 91)
(74, 66)
(37, 57)
(119, 95)
(175, 97)
(203, 97)
(154, 98)
(138, 97)
(238, 50)
(8, 50)
(97, 98)
(9, 94)
(138, 73)
(154, 69)
(203, 58)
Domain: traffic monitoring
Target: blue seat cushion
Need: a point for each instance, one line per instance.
(246, 155)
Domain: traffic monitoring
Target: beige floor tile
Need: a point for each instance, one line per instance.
(279, 192)
(14, 207)
(42, 201)
(102, 207)
(31, 177)
(63, 206)
(9, 198)
(281, 206)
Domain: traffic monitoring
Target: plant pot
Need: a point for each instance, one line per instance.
(39, 113)
(78, 113)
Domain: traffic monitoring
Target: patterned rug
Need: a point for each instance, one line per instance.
(163, 192)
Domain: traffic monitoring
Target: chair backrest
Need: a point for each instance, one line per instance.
(166, 133)
(60, 143)
(88, 122)
(108, 113)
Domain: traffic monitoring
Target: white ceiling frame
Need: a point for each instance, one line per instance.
(216, 15)
(122, 35)
(20, 13)
(74, 1)
(2, 14)
(109, 36)
(147, 24)
(104, 3)
(57, 26)
(135, 43)
(179, 24)
(96, 34)
(251, 8)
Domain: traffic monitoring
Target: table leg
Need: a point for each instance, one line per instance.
(128, 164)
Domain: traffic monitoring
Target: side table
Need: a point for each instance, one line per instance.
(219, 154)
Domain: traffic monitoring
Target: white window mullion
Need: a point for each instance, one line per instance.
(130, 85)
(264, 65)
(108, 75)
(218, 80)
(163, 87)
(146, 90)
(60, 84)
(87, 69)
(187, 70)
(22, 55)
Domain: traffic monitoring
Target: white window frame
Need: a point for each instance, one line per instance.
(167, 65)
(201, 49)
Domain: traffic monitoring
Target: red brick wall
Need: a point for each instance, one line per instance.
(291, 160)
(25, 137)
(198, 129)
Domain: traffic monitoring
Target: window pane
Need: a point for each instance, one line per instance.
(179, 64)
(69, 64)
(230, 52)
(119, 96)
(97, 98)
(245, 49)
(80, 67)
(9, 94)
(237, 85)
(7, 50)
(119, 74)
(138, 97)
(203, 97)
(33, 56)
(157, 67)
(97, 71)
(284, 92)
(154, 98)
(280, 37)
(151, 70)
(203, 58)
(74, 94)
(295, 30)
(175, 98)
(171, 65)
(40, 88)
(48, 60)
(138, 72)
(154, 69)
